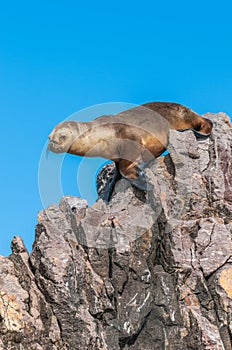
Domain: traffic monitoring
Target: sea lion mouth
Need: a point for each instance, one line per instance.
(55, 147)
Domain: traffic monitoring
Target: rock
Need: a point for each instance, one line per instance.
(147, 271)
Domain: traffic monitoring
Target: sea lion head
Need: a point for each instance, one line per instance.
(62, 137)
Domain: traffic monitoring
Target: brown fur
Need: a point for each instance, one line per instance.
(136, 135)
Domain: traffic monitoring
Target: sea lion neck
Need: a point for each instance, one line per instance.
(80, 142)
(82, 127)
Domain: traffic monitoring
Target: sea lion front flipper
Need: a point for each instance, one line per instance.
(134, 174)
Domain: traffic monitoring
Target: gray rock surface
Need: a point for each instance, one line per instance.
(145, 272)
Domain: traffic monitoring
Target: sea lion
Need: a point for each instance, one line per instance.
(131, 138)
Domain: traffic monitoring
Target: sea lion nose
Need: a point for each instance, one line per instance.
(51, 144)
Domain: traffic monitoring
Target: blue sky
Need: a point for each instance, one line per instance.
(58, 57)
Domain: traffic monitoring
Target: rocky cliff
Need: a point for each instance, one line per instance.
(145, 272)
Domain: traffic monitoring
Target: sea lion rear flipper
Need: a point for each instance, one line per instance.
(199, 135)
(134, 174)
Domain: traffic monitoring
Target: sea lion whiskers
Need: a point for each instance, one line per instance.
(47, 152)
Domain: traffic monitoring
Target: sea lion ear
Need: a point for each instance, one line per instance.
(135, 175)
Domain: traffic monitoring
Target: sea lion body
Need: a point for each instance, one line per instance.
(131, 138)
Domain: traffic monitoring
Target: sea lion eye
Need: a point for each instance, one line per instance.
(62, 137)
